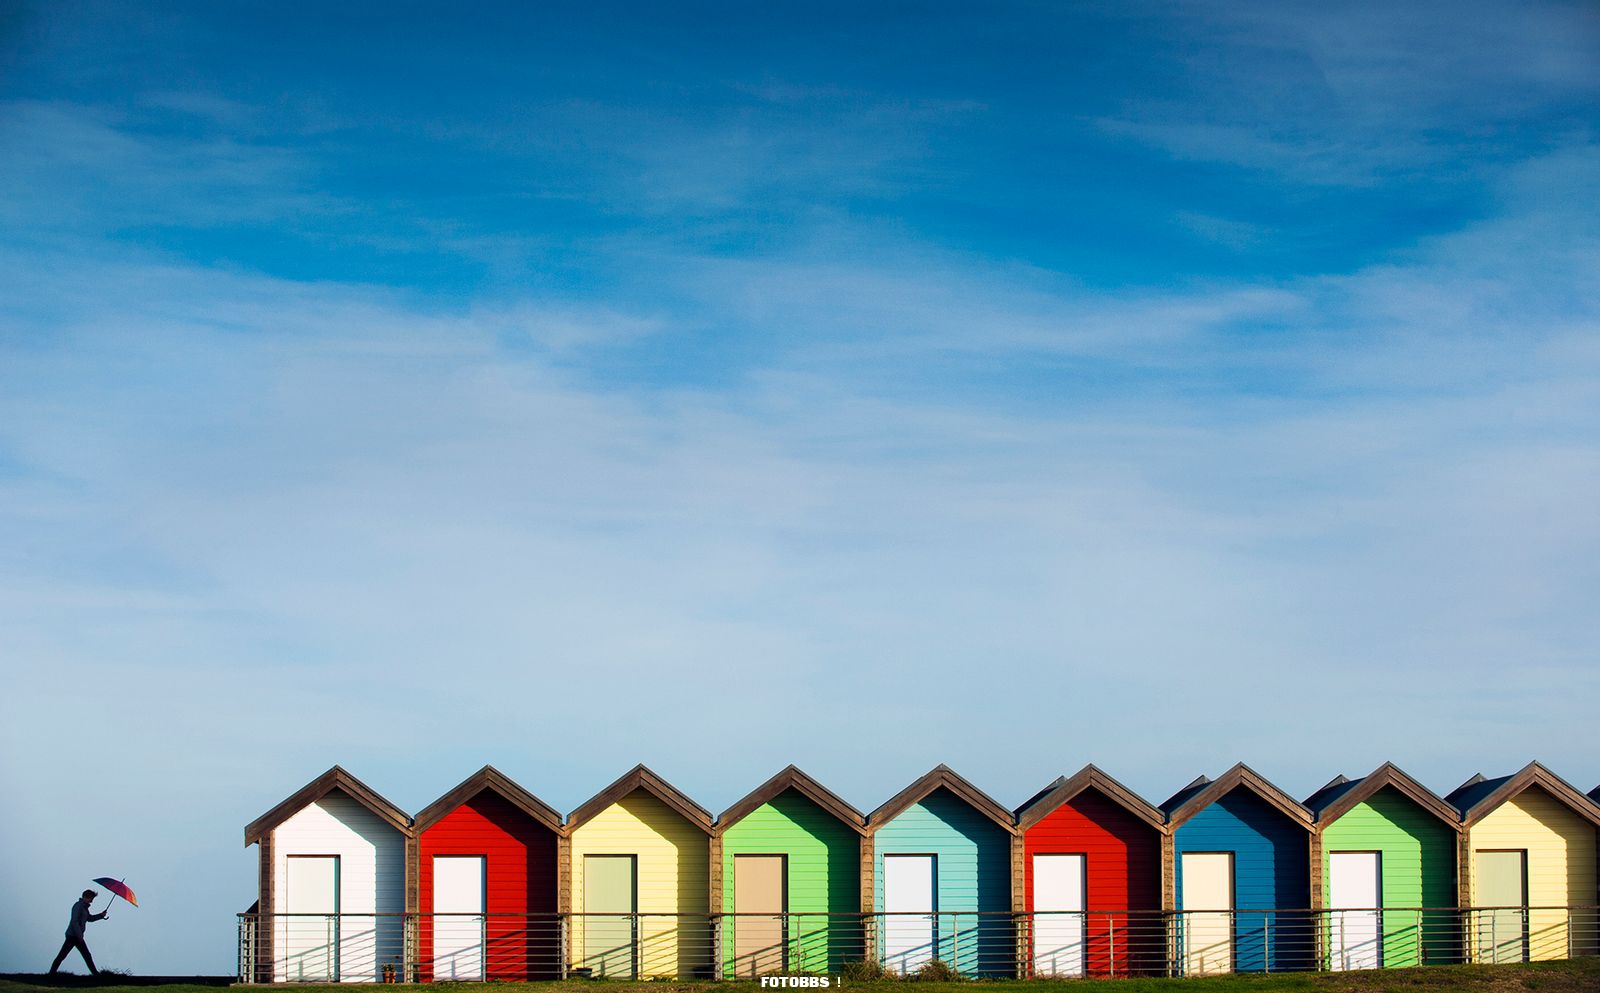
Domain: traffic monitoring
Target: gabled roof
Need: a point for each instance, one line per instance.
(1202, 793)
(942, 777)
(1337, 798)
(641, 778)
(334, 779)
(791, 778)
(1478, 797)
(491, 779)
(1090, 776)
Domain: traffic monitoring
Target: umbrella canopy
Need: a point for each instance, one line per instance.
(119, 888)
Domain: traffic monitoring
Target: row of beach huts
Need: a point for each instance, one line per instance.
(1083, 879)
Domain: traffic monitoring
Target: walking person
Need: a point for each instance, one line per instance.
(75, 927)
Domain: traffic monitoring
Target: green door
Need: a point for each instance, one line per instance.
(608, 923)
(1502, 887)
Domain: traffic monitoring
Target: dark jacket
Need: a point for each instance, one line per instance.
(81, 917)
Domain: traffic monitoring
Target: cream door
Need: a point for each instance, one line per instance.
(758, 889)
(1208, 913)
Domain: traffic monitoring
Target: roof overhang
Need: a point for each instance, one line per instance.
(942, 777)
(1532, 774)
(334, 779)
(1064, 789)
(641, 778)
(1241, 775)
(491, 779)
(792, 778)
(1387, 775)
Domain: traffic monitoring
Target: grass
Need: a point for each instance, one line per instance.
(1572, 976)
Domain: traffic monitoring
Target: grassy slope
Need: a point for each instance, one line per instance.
(1577, 976)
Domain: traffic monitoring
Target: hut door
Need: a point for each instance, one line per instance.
(1503, 884)
(609, 924)
(909, 906)
(310, 935)
(1058, 905)
(1354, 892)
(758, 888)
(1208, 913)
(458, 922)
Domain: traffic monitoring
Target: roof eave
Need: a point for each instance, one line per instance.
(640, 777)
(1243, 775)
(792, 778)
(1089, 776)
(1389, 774)
(947, 778)
(492, 779)
(335, 778)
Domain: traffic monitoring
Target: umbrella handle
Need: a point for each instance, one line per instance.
(113, 896)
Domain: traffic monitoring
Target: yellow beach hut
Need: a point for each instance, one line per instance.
(1527, 866)
(638, 886)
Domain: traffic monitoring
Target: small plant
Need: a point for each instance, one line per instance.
(936, 971)
(864, 971)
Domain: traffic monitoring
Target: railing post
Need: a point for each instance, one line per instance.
(1266, 942)
(1111, 940)
(955, 943)
(717, 923)
(562, 958)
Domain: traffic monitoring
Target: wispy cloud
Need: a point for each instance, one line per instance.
(759, 397)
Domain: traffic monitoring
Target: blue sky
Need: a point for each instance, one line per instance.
(1157, 385)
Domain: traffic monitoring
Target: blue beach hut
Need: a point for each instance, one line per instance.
(1242, 875)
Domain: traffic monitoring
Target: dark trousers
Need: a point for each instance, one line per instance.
(69, 945)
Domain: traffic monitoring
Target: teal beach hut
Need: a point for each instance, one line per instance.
(942, 881)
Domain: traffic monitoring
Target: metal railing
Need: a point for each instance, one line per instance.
(377, 948)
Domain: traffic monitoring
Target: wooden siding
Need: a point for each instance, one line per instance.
(673, 878)
(1122, 868)
(1561, 866)
(1418, 869)
(823, 878)
(520, 877)
(973, 875)
(1271, 872)
(372, 880)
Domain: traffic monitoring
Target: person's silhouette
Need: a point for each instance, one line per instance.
(75, 927)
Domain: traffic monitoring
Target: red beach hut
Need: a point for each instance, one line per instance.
(1092, 878)
(486, 870)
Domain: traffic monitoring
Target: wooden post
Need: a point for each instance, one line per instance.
(869, 950)
(266, 908)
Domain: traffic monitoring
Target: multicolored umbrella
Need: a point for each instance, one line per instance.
(118, 888)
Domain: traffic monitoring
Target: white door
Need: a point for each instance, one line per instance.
(1058, 905)
(458, 921)
(1208, 913)
(310, 932)
(908, 903)
(1354, 922)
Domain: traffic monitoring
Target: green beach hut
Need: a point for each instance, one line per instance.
(784, 859)
(1389, 847)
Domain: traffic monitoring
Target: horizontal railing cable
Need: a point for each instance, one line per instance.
(467, 947)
